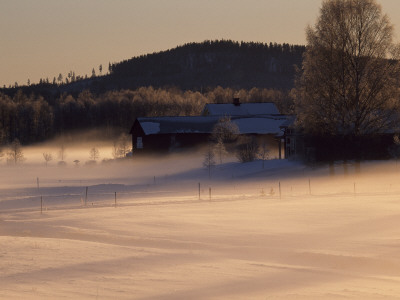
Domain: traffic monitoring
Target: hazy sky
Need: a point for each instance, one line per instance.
(42, 38)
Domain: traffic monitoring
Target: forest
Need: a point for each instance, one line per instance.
(34, 118)
(212, 63)
(193, 66)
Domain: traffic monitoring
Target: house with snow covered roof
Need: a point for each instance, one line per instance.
(163, 134)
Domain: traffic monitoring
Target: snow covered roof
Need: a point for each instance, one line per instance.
(267, 125)
(243, 109)
(290, 120)
(198, 124)
(166, 125)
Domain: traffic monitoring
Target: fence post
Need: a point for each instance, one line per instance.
(115, 199)
(86, 196)
(41, 204)
(280, 194)
(199, 190)
(209, 192)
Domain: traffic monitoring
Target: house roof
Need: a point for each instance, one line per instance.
(243, 109)
(290, 120)
(254, 125)
(167, 125)
(197, 124)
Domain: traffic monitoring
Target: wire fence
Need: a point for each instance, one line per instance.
(167, 192)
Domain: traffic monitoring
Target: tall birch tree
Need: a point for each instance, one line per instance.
(349, 82)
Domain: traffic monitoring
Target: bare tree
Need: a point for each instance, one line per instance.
(61, 153)
(246, 151)
(263, 153)
(225, 130)
(209, 160)
(115, 150)
(47, 157)
(124, 143)
(15, 154)
(349, 80)
(220, 149)
(122, 146)
(94, 154)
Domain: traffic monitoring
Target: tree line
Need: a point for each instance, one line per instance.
(192, 66)
(34, 118)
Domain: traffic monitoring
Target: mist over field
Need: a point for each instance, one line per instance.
(160, 228)
(84, 217)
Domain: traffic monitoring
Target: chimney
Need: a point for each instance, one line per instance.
(236, 101)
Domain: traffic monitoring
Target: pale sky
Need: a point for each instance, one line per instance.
(42, 38)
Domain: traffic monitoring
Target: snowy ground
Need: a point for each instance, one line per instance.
(316, 237)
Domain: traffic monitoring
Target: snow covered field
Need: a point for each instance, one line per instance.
(316, 237)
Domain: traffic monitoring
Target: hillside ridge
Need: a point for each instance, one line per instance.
(192, 66)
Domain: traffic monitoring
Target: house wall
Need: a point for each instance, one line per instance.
(294, 145)
(163, 143)
(351, 147)
(331, 148)
(271, 144)
(136, 132)
(187, 140)
(155, 143)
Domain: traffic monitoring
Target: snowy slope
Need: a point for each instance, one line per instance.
(287, 231)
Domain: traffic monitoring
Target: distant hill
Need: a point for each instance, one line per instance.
(193, 66)
(212, 63)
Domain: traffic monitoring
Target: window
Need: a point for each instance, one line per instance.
(139, 143)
